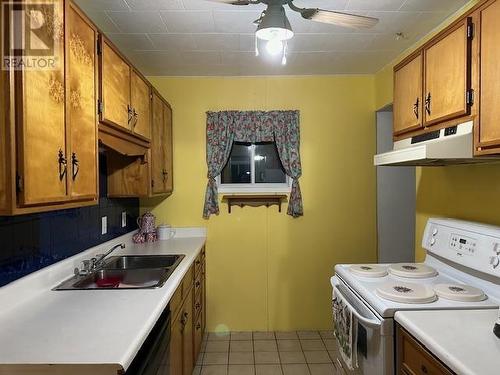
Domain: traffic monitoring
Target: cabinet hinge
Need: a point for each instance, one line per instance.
(100, 106)
(470, 31)
(19, 183)
(469, 97)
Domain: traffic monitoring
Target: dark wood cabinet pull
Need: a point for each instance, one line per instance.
(197, 284)
(197, 306)
(130, 113)
(136, 116)
(424, 369)
(428, 104)
(75, 164)
(198, 326)
(63, 165)
(415, 107)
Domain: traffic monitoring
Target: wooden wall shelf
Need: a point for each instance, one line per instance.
(254, 200)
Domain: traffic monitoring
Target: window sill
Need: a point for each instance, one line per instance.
(254, 190)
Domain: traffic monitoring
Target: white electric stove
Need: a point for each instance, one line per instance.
(461, 271)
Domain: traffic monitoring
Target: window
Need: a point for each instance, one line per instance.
(254, 167)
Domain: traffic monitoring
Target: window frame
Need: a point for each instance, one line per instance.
(254, 187)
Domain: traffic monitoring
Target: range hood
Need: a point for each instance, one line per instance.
(453, 145)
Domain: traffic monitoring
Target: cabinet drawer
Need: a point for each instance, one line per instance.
(176, 301)
(415, 359)
(187, 282)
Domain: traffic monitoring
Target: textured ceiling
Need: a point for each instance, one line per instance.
(198, 37)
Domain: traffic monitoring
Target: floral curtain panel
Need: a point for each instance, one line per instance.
(224, 128)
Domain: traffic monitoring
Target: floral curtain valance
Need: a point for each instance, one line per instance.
(226, 127)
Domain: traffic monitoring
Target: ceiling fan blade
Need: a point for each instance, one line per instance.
(339, 18)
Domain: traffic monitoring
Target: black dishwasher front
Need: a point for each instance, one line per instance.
(153, 357)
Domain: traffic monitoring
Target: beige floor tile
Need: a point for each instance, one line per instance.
(214, 370)
(241, 370)
(308, 335)
(197, 370)
(330, 343)
(326, 334)
(215, 359)
(242, 358)
(322, 369)
(199, 360)
(295, 369)
(286, 335)
(217, 347)
(239, 336)
(292, 357)
(265, 346)
(289, 345)
(268, 370)
(263, 336)
(312, 345)
(241, 346)
(219, 336)
(318, 356)
(267, 358)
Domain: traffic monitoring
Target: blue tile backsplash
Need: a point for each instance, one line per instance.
(31, 242)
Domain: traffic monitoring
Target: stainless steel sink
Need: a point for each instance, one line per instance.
(142, 261)
(126, 272)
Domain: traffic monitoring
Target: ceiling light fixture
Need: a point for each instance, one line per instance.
(274, 28)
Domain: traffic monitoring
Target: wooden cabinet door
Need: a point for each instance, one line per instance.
(176, 345)
(115, 88)
(489, 120)
(447, 75)
(408, 95)
(188, 344)
(141, 105)
(41, 113)
(168, 173)
(158, 151)
(81, 104)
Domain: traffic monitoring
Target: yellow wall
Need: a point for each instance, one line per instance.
(463, 192)
(265, 269)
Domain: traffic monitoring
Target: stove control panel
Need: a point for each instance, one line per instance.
(472, 245)
(462, 244)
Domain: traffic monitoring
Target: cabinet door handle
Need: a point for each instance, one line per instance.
(198, 326)
(424, 369)
(63, 165)
(415, 107)
(197, 284)
(165, 174)
(75, 164)
(130, 113)
(184, 319)
(428, 104)
(136, 115)
(197, 306)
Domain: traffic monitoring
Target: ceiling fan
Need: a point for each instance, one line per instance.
(273, 25)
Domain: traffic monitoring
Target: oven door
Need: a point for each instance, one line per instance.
(375, 337)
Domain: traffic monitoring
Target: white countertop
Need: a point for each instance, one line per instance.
(42, 326)
(462, 339)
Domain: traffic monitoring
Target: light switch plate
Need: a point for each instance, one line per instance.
(104, 225)
(124, 219)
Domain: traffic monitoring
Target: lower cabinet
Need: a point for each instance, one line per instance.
(414, 359)
(188, 311)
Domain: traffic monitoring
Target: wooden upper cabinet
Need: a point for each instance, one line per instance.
(40, 113)
(447, 62)
(115, 88)
(489, 34)
(81, 75)
(407, 108)
(161, 147)
(141, 105)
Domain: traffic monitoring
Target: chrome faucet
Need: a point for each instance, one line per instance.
(90, 265)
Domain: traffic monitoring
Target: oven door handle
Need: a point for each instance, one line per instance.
(372, 323)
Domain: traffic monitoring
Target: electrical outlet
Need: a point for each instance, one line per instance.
(124, 219)
(104, 225)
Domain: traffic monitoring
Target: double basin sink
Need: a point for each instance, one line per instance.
(126, 272)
